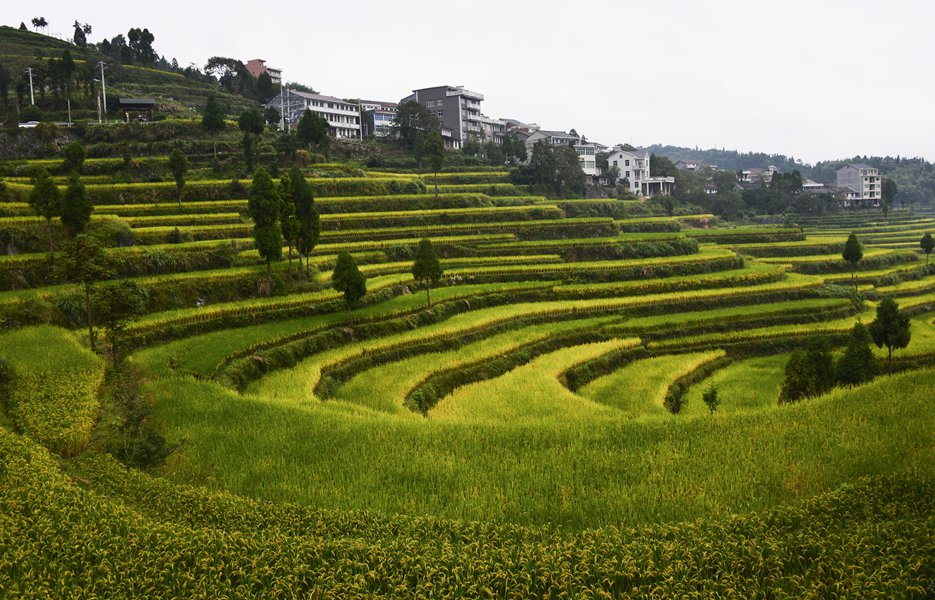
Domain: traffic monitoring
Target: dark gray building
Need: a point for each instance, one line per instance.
(457, 109)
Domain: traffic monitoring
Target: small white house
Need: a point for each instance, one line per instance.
(634, 168)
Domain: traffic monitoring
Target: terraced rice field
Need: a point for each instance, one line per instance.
(549, 398)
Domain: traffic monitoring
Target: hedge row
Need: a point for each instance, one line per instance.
(531, 229)
(28, 271)
(245, 365)
(837, 264)
(664, 285)
(142, 193)
(428, 392)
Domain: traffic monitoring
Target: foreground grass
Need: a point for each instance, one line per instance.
(98, 530)
(581, 472)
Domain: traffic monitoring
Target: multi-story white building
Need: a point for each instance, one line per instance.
(587, 151)
(457, 109)
(864, 181)
(587, 156)
(343, 117)
(494, 129)
(377, 118)
(634, 168)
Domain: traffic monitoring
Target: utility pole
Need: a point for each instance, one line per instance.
(103, 87)
(99, 119)
(282, 100)
(32, 98)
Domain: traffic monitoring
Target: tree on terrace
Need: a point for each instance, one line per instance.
(348, 280)
(891, 328)
(853, 253)
(307, 216)
(927, 244)
(83, 261)
(888, 191)
(313, 131)
(808, 373)
(212, 121)
(426, 267)
(39, 22)
(287, 217)
(46, 201)
(435, 151)
(115, 304)
(178, 165)
(76, 207)
(857, 364)
(252, 125)
(74, 155)
(265, 206)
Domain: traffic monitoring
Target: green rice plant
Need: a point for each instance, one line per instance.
(51, 395)
(746, 235)
(735, 317)
(531, 393)
(205, 354)
(491, 189)
(746, 385)
(648, 224)
(229, 545)
(181, 221)
(540, 228)
(749, 274)
(252, 308)
(639, 389)
(402, 376)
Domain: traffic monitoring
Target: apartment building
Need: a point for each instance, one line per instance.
(342, 116)
(494, 129)
(257, 67)
(634, 168)
(377, 118)
(587, 151)
(864, 181)
(458, 110)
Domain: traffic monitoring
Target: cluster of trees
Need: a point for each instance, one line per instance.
(281, 215)
(83, 259)
(553, 171)
(814, 371)
(512, 150)
(134, 49)
(233, 76)
(73, 207)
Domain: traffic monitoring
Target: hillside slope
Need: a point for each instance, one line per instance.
(176, 95)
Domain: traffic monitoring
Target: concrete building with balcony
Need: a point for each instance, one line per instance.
(258, 66)
(458, 110)
(634, 168)
(587, 151)
(376, 120)
(343, 117)
(864, 181)
(494, 130)
(587, 156)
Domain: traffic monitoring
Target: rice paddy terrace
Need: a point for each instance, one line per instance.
(538, 431)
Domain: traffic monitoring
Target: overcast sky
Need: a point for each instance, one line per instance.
(814, 79)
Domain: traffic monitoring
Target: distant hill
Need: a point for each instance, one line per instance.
(176, 94)
(915, 177)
